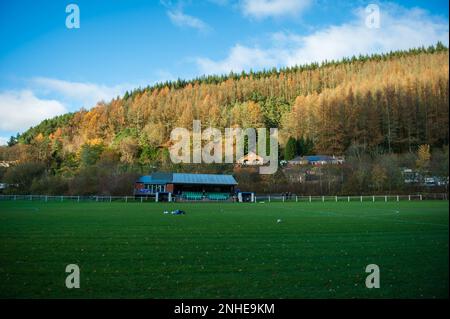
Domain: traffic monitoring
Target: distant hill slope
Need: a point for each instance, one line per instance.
(392, 102)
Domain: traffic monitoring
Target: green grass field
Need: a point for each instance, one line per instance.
(133, 250)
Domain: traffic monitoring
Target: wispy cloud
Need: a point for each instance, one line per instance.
(3, 140)
(183, 20)
(400, 29)
(240, 58)
(45, 98)
(260, 9)
(85, 93)
(22, 109)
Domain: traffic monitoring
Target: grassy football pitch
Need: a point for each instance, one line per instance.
(224, 250)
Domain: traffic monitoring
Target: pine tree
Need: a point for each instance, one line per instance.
(291, 149)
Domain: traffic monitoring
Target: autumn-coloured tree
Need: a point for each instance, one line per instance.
(364, 107)
(379, 177)
(423, 157)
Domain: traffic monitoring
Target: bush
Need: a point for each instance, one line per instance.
(22, 176)
(49, 185)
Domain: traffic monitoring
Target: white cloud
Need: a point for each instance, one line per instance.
(183, 20)
(3, 140)
(260, 9)
(400, 29)
(240, 58)
(83, 92)
(21, 109)
(46, 97)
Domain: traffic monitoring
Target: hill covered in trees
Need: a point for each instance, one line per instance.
(379, 104)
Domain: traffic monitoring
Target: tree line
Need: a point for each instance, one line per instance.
(372, 105)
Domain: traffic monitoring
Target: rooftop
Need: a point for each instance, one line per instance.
(186, 178)
(313, 158)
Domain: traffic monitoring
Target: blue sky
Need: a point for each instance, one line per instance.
(47, 69)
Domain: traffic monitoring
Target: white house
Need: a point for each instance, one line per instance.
(251, 159)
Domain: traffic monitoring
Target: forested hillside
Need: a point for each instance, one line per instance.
(380, 104)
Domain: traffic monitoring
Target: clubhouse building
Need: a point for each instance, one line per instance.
(187, 186)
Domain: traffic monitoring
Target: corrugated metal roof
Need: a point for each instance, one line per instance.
(148, 179)
(317, 158)
(185, 178)
(212, 179)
